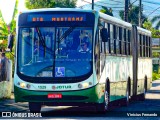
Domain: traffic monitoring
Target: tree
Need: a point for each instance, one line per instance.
(133, 15)
(156, 19)
(36, 4)
(3, 28)
(106, 11)
(66, 3)
(155, 33)
(6, 29)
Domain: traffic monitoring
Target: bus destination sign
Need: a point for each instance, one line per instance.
(56, 17)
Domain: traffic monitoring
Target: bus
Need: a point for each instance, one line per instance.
(75, 57)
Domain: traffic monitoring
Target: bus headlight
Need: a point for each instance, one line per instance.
(85, 85)
(23, 85)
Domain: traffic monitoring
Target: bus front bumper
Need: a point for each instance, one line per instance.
(89, 95)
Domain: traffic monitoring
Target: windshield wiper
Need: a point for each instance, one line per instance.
(66, 33)
(42, 41)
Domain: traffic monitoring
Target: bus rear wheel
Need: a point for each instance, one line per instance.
(127, 93)
(142, 96)
(34, 107)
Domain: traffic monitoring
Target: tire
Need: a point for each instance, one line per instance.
(102, 108)
(127, 96)
(34, 107)
(127, 93)
(143, 95)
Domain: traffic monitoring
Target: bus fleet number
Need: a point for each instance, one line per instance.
(42, 87)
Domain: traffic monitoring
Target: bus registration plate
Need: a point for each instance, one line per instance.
(55, 95)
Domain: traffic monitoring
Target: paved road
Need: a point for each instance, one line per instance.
(151, 106)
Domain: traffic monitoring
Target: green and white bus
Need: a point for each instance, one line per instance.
(79, 57)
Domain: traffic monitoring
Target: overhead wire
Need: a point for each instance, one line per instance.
(119, 2)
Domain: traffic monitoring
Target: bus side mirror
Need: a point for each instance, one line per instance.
(104, 34)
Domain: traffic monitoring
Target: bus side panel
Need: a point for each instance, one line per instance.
(118, 69)
(144, 69)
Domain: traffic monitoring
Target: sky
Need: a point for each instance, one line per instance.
(7, 6)
(116, 5)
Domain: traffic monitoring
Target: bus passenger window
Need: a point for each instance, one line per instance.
(120, 40)
(150, 49)
(125, 43)
(139, 45)
(129, 42)
(144, 44)
(108, 44)
(114, 37)
(117, 41)
(141, 50)
(111, 39)
(147, 46)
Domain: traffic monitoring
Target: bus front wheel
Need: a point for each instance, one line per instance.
(103, 107)
(34, 107)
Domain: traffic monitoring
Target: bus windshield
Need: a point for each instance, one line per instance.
(55, 51)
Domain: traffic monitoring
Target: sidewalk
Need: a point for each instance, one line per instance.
(155, 89)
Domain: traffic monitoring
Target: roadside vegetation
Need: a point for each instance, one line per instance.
(155, 76)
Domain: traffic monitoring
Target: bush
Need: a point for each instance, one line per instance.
(155, 76)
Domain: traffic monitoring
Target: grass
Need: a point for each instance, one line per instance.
(155, 75)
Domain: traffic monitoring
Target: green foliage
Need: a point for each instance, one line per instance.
(65, 3)
(155, 33)
(133, 15)
(36, 4)
(155, 76)
(156, 19)
(106, 11)
(155, 54)
(3, 30)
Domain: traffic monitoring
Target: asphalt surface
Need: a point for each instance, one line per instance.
(148, 109)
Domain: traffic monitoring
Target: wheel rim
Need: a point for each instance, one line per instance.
(106, 100)
(144, 92)
(127, 96)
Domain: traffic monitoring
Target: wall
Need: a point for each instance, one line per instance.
(6, 86)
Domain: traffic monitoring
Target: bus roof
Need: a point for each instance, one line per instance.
(144, 31)
(114, 20)
(122, 23)
(56, 9)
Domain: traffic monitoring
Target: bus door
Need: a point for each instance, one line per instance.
(135, 58)
(97, 55)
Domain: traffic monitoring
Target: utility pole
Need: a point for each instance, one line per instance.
(140, 13)
(92, 4)
(126, 11)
